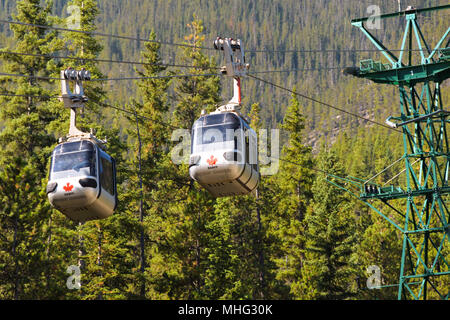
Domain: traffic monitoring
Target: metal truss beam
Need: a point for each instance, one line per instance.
(424, 266)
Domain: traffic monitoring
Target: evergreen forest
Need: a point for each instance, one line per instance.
(300, 238)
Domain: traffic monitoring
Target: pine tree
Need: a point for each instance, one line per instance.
(380, 248)
(378, 245)
(241, 262)
(328, 271)
(25, 144)
(294, 188)
(183, 209)
(196, 247)
(84, 47)
(151, 143)
(99, 256)
(234, 268)
(199, 92)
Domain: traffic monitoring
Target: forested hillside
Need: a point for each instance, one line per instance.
(170, 239)
(281, 36)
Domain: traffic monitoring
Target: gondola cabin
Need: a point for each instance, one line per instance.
(82, 181)
(224, 156)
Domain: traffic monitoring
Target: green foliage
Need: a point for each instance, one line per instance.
(298, 237)
(180, 211)
(195, 93)
(328, 271)
(23, 158)
(292, 185)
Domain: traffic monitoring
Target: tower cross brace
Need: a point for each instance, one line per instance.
(418, 74)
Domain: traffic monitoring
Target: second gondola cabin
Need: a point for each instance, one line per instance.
(224, 157)
(224, 152)
(82, 181)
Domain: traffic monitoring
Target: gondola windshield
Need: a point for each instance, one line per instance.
(73, 159)
(215, 131)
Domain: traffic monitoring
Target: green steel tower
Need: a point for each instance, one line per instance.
(418, 71)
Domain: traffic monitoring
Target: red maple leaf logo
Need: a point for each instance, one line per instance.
(68, 187)
(211, 161)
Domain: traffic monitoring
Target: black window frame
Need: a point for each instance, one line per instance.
(107, 182)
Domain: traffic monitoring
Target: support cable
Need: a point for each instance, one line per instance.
(141, 207)
(214, 74)
(325, 104)
(383, 170)
(114, 79)
(94, 33)
(400, 173)
(6, 94)
(103, 104)
(325, 50)
(100, 60)
(267, 51)
(156, 64)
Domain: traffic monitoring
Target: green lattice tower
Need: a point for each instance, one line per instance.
(423, 121)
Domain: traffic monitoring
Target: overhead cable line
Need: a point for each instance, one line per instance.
(103, 104)
(101, 60)
(100, 34)
(114, 79)
(142, 117)
(356, 182)
(268, 51)
(160, 77)
(5, 94)
(155, 64)
(394, 177)
(133, 113)
(384, 170)
(323, 103)
(299, 164)
(297, 70)
(213, 74)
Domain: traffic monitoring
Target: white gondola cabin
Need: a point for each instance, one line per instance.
(82, 181)
(224, 157)
(224, 149)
